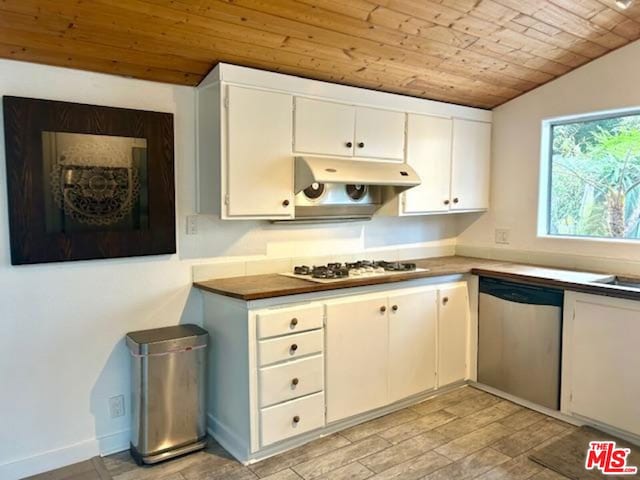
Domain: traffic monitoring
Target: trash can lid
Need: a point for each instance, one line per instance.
(166, 339)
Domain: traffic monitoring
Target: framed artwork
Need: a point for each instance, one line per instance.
(87, 182)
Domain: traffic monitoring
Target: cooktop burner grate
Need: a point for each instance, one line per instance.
(363, 268)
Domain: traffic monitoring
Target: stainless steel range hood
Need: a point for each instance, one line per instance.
(338, 190)
(310, 170)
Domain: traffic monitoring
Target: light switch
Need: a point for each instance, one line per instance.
(502, 236)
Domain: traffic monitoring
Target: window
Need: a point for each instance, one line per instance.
(593, 185)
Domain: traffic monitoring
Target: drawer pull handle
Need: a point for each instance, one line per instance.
(446, 202)
(394, 308)
(296, 419)
(348, 144)
(294, 347)
(445, 300)
(383, 309)
(294, 322)
(295, 382)
(360, 144)
(456, 200)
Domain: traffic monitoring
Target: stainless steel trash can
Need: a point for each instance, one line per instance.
(168, 392)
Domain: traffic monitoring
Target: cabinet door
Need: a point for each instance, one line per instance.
(356, 356)
(429, 153)
(603, 361)
(412, 343)
(324, 128)
(379, 134)
(258, 152)
(453, 326)
(470, 165)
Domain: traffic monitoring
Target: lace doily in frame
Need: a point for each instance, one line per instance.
(95, 183)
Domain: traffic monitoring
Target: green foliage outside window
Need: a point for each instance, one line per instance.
(595, 178)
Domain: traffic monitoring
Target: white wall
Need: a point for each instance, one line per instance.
(62, 325)
(610, 82)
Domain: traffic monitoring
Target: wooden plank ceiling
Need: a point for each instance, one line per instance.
(472, 52)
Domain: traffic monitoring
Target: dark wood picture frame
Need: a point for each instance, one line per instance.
(25, 120)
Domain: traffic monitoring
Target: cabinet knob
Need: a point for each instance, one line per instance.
(383, 309)
(294, 347)
(360, 144)
(349, 144)
(446, 202)
(295, 382)
(285, 203)
(455, 200)
(294, 322)
(296, 419)
(445, 300)
(394, 308)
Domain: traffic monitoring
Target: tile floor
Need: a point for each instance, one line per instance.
(461, 435)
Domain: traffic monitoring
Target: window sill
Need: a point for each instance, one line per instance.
(623, 241)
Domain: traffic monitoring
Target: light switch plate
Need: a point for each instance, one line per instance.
(192, 225)
(502, 236)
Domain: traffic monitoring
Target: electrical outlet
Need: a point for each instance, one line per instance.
(192, 225)
(116, 406)
(502, 236)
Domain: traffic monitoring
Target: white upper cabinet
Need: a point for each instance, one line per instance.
(324, 128)
(412, 343)
(379, 134)
(251, 124)
(453, 327)
(356, 356)
(328, 128)
(258, 150)
(470, 165)
(429, 153)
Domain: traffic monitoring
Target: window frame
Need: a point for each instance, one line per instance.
(545, 173)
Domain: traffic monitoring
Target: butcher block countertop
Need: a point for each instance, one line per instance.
(256, 287)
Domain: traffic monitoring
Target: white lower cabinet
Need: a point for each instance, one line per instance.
(412, 343)
(291, 380)
(290, 347)
(601, 360)
(453, 334)
(286, 369)
(381, 349)
(356, 351)
(292, 418)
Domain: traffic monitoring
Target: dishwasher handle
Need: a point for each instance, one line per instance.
(521, 293)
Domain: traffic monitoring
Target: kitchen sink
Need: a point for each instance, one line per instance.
(621, 281)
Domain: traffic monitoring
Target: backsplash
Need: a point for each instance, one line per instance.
(554, 259)
(257, 265)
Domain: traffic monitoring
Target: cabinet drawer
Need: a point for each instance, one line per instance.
(290, 347)
(289, 320)
(291, 380)
(292, 418)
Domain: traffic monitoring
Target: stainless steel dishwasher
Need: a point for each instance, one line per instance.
(519, 340)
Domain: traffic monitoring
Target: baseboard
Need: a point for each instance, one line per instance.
(568, 417)
(232, 443)
(61, 457)
(114, 442)
(228, 439)
(49, 460)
